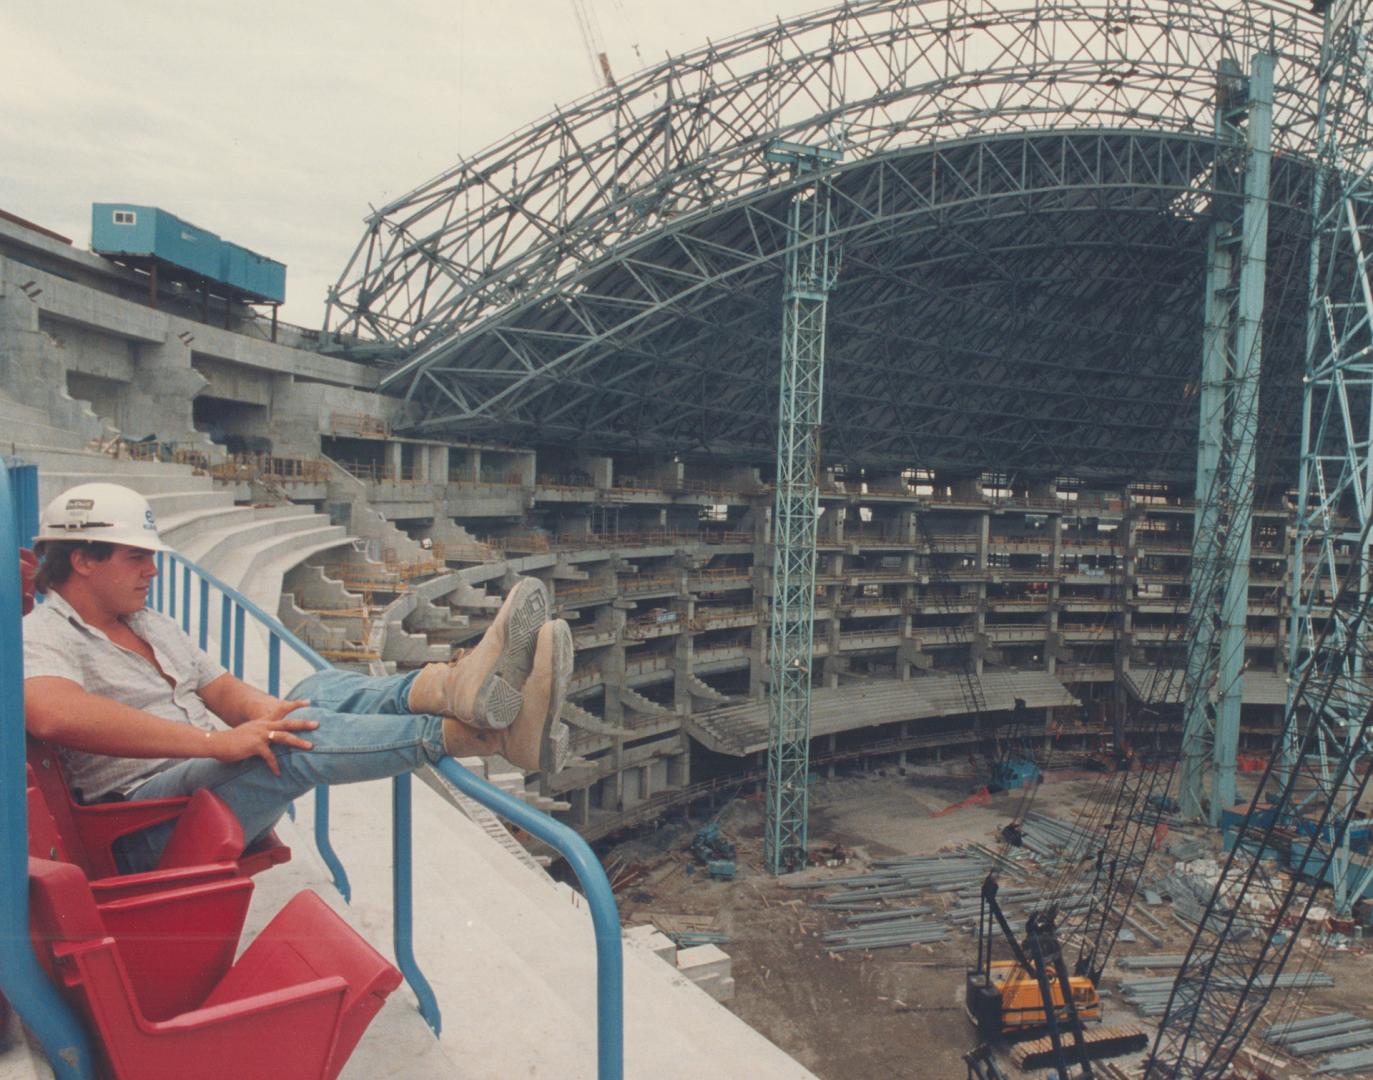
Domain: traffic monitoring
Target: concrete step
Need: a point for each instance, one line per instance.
(11, 410)
(214, 547)
(583, 720)
(190, 501)
(20, 435)
(27, 426)
(58, 459)
(640, 704)
(181, 530)
(156, 482)
(51, 484)
(702, 689)
(261, 583)
(488, 822)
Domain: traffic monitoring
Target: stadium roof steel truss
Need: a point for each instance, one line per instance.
(1021, 214)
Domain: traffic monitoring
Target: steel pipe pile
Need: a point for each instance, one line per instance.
(887, 915)
(885, 936)
(1321, 1034)
(1150, 996)
(1355, 1061)
(1056, 840)
(1164, 960)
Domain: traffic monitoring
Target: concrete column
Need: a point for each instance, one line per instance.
(613, 671)
(683, 654)
(394, 459)
(984, 530)
(580, 798)
(438, 465)
(159, 401)
(1056, 528)
(679, 765)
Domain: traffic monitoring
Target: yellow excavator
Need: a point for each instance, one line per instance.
(1006, 998)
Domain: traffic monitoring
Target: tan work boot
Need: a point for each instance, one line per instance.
(536, 741)
(481, 686)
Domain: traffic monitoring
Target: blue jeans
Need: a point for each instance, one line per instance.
(365, 733)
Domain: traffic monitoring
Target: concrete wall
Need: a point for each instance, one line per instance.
(143, 367)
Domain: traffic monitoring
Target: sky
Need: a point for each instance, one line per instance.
(277, 125)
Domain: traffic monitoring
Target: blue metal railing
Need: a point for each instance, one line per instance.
(21, 979)
(173, 595)
(190, 595)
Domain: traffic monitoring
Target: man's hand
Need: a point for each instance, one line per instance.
(260, 735)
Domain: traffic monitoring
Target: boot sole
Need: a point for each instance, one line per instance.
(549, 757)
(497, 704)
(498, 701)
(529, 608)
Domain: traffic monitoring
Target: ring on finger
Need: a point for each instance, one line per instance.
(271, 736)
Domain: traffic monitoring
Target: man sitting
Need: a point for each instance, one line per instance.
(137, 711)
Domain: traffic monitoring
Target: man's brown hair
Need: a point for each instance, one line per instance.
(55, 559)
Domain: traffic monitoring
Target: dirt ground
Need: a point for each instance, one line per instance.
(894, 1012)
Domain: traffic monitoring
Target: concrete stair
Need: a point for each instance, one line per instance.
(27, 426)
(699, 688)
(147, 482)
(181, 530)
(577, 717)
(217, 546)
(247, 547)
(644, 705)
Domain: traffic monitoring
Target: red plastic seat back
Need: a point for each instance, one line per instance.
(293, 1006)
(45, 839)
(61, 910)
(45, 775)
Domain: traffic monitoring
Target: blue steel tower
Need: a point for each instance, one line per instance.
(810, 271)
(1335, 496)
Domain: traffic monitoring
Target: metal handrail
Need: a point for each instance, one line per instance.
(21, 978)
(234, 609)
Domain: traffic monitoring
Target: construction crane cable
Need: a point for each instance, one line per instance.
(1217, 941)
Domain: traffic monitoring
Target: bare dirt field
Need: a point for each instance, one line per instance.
(894, 1012)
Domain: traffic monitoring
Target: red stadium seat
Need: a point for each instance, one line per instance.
(206, 832)
(292, 1008)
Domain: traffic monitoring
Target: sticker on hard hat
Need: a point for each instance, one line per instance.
(80, 504)
(148, 522)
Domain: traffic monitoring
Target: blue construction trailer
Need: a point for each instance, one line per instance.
(156, 240)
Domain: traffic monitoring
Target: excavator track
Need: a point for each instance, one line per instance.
(1101, 1043)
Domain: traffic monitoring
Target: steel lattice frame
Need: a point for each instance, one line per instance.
(1225, 980)
(1018, 182)
(810, 275)
(1335, 497)
(1231, 359)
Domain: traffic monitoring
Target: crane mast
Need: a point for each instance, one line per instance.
(1212, 666)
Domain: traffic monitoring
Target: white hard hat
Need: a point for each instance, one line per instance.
(110, 513)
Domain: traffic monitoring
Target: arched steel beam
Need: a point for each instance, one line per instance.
(687, 136)
(650, 302)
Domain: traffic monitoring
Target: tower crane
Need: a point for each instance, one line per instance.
(590, 28)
